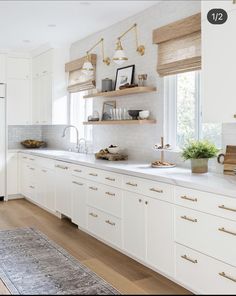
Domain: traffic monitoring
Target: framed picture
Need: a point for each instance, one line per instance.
(124, 75)
(107, 110)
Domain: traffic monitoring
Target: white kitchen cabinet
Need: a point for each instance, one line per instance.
(46, 188)
(160, 235)
(63, 189)
(218, 60)
(134, 224)
(79, 202)
(2, 68)
(18, 91)
(12, 174)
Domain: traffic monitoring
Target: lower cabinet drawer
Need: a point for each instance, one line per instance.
(203, 274)
(211, 235)
(105, 226)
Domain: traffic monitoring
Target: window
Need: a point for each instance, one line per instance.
(79, 111)
(183, 111)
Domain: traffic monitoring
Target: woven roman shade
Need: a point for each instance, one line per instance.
(78, 80)
(179, 46)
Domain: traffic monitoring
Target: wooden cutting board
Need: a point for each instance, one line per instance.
(111, 157)
(230, 160)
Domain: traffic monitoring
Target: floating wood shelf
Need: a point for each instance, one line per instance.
(123, 92)
(110, 122)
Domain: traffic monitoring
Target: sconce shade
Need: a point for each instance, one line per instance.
(87, 67)
(120, 55)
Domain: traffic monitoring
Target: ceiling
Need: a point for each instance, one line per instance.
(25, 25)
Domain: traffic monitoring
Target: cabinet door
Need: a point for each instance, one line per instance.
(46, 99)
(2, 68)
(63, 190)
(18, 68)
(46, 188)
(24, 178)
(18, 102)
(160, 235)
(218, 58)
(46, 62)
(12, 174)
(36, 101)
(79, 197)
(134, 224)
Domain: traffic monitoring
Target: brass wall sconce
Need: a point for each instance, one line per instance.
(88, 67)
(120, 56)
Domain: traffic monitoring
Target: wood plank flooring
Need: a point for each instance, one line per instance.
(126, 275)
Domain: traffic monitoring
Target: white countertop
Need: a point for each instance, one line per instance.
(210, 182)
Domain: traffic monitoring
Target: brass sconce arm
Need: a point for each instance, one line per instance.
(106, 60)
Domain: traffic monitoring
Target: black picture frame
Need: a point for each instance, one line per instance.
(129, 79)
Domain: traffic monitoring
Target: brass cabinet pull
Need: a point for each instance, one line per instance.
(222, 229)
(189, 219)
(132, 184)
(110, 223)
(156, 190)
(110, 179)
(31, 159)
(140, 200)
(93, 215)
(188, 198)
(93, 188)
(111, 194)
(44, 171)
(24, 157)
(146, 202)
(77, 183)
(61, 167)
(226, 208)
(78, 171)
(32, 187)
(223, 274)
(92, 174)
(185, 257)
(32, 169)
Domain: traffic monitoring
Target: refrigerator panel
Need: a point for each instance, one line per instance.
(2, 140)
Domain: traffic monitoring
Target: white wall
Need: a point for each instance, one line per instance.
(138, 140)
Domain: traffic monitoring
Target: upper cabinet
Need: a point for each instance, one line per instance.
(18, 91)
(218, 63)
(2, 68)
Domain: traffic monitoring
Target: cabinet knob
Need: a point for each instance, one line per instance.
(146, 202)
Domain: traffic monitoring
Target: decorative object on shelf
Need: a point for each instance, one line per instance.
(127, 85)
(127, 121)
(107, 110)
(124, 75)
(33, 144)
(113, 149)
(199, 152)
(88, 66)
(141, 79)
(144, 114)
(120, 55)
(162, 163)
(106, 85)
(228, 160)
(134, 114)
(94, 117)
(105, 154)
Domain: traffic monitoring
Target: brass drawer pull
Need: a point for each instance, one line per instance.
(44, 171)
(132, 184)
(188, 198)
(31, 159)
(110, 223)
(61, 167)
(185, 257)
(93, 215)
(226, 231)
(156, 190)
(110, 179)
(78, 171)
(93, 188)
(24, 157)
(189, 219)
(32, 169)
(226, 208)
(92, 174)
(223, 274)
(77, 183)
(111, 194)
(32, 187)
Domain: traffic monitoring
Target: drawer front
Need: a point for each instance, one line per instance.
(206, 202)
(149, 188)
(79, 171)
(111, 179)
(208, 234)
(105, 198)
(203, 274)
(46, 163)
(94, 219)
(62, 166)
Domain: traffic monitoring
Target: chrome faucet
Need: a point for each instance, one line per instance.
(85, 145)
(77, 135)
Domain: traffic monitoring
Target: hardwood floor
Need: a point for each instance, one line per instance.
(126, 275)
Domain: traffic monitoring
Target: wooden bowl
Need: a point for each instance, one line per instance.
(33, 144)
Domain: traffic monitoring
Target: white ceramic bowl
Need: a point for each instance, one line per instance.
(114, 150)
(144, 114)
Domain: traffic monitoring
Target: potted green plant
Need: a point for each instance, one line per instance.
(199, 152)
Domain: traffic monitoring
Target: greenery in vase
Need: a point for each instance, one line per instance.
(199, 149)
